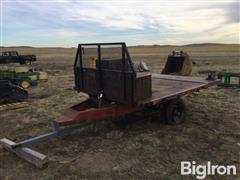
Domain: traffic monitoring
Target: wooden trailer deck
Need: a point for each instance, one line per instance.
(167, 87)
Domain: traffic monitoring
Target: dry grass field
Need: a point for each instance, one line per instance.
(144, 148)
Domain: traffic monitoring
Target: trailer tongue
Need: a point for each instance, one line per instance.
(115, 89)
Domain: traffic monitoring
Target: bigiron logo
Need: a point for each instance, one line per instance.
(202, 171)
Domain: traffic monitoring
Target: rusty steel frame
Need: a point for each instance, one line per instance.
(88, 112)
(79, 116)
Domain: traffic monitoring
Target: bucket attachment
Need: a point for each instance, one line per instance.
(178, 63)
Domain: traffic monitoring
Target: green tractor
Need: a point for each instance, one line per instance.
(21, 76)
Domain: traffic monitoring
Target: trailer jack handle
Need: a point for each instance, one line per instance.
(100, 98)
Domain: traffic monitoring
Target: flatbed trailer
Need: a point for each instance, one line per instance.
(165, 89)
(165, 93)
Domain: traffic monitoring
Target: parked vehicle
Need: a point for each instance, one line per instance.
(14, 57)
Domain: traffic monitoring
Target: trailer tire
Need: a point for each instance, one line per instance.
(175, 112)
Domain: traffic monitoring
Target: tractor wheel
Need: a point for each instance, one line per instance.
(175, 112)
(24, 84)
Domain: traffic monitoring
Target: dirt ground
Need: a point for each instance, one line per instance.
(143, 148)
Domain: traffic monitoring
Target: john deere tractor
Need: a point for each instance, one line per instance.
(19, 75)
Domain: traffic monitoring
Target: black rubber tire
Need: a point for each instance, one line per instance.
(175, 112)
(28, 62)
(7, 99)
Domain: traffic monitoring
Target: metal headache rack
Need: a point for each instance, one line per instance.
(107, 69)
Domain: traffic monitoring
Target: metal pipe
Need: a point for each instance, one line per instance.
(49, 135)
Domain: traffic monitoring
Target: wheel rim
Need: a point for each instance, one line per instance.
(177, 114)
(25, 84)
(28, 62)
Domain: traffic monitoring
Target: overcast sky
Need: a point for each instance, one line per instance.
(69, 22)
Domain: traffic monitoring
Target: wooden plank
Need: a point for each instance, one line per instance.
(29, 155)
(162, 96)
(169, 87)
(11, 106)
(180, 78)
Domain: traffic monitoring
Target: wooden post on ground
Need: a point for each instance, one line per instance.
(29, 155)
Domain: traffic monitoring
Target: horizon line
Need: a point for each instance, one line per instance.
(161, 45)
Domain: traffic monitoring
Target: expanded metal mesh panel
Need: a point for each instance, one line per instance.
(111, 52)
(111, 57)
(89, 56)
